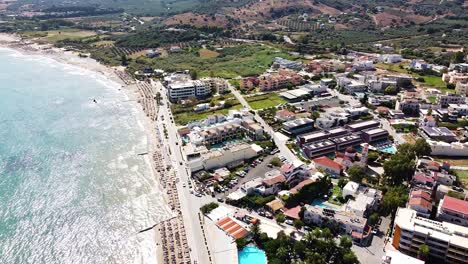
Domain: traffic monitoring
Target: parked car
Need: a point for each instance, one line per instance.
(289, 222)
(458, 189)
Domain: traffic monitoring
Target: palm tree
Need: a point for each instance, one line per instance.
(255, 229)
(423, 252)
(282, 253)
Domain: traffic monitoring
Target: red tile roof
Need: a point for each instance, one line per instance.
(274, 180)
(327, 162)
(285, 113)
(421, 194)
(293, 212)
(301, 185)
(421, 202)
(287, 168)
(454, 204)
(422, 178)
(232, 228)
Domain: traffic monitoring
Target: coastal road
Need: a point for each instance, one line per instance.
(281, 144)
(190, 205)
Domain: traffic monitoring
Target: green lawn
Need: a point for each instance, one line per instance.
(338, 192)
(265, 101)
(432, 99)
(462, 177)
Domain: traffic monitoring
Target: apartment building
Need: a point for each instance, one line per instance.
(453, 210)
(216, 84)
(298, 126)
(450, 98)
(461, 88)
(279, 80)
(356, 127)
(447, 242)
(180, 86)
(374, 134)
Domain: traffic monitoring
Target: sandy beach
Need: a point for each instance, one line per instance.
(130, 87)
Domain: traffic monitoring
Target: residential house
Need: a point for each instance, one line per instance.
(284, 115)
(453, 210)
(327, 165)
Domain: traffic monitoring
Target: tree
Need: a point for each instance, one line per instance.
(276, 162)
(458, 57)
(349, 258)
(241, 242)
(255, 230)
(124, 60)
(356, 173)
(364, 99)
(423, 252)
(282, 253)
(280, 218)
(374, 218)
(193, 75)
(398, 168)
(372, 156)
(393, 198)
(346, 242)
(298, 224)
(422, 148)
(391, 90)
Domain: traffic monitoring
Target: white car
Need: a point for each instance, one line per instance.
(289, 222)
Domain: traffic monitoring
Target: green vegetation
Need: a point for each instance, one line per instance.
(337, 195)
(253, 201)
(356, 173)
(318, 247)
(276, 162)
(393, 198)
(457, 195)
(264, 101)
(310, 192)
(462, 177)
(280, 218)
(400, 167)
(184, 114)
(242, 60)
(207, 208)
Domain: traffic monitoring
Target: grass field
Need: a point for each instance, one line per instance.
(206, 53)
(57, 35)
(429, 80)
(454, 161)
(462, 177)
(264, 101)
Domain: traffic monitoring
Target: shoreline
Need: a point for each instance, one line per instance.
(129, 89)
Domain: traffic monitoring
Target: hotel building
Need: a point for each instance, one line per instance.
(447, 242)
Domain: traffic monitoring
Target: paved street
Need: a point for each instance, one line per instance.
(284, 150)
(374, 252)
(190, 205)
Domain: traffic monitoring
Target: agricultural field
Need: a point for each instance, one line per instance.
(243, 60)
(264, 101)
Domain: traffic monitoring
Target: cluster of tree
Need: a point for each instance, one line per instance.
(156, 37)
(207, 208)
(317, 247)
(253, 201)
(77, 11)
(393, 198)
(310, 192)
(401, 166)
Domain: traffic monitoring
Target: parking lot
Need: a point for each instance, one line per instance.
(258, 171)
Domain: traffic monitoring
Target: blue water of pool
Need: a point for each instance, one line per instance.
(252, 255)
(389, 149)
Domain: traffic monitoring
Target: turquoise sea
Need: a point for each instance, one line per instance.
(72, 187)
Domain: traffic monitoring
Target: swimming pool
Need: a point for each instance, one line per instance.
(252, 255)
(388, 149)
(318, 202)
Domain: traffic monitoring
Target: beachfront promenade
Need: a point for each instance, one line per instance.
(190, 205)
(181, 238)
